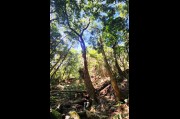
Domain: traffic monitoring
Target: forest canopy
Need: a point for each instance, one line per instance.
(89, 48)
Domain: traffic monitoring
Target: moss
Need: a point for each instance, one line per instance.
(55, 114)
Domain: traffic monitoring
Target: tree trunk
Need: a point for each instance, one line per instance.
(54, 49)
(64, 73)
(59, 64)
(87, 79)
(81, 75)
(112, 78)
(120, 72)
(61, 56)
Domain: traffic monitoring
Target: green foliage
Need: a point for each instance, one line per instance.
(52, 99)
(55, 114)
(118, 104)
(75, 87)
(103, 23)
(117, 116)
(94, 53)
(108, 20)
(123, 8)
(70, 66)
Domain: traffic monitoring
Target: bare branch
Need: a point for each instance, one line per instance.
(64, 57)
(85, 28)
(61, 56)
(77, 39)
(57, 45)
(69, 24)
(53, 20)
(74, 38)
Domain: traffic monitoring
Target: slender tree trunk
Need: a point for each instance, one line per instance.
(127, 54)
(81, 75)
(120, 72)
(112, 78)
(58, 62)
(54, 49)
(55, 64)
(64, 73)
(124, 65)
(58, 66)
(127, 50)
(87, 79)
(68, 74)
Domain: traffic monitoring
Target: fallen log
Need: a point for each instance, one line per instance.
(103, 86)
(83, 91)
(105, 90)
(76, 91)
(82, 102)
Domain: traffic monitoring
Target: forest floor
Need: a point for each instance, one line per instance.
(69, 97)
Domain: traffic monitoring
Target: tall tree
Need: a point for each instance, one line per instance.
(113, 79)
(80, 18)
(113, 27)
(64, 10)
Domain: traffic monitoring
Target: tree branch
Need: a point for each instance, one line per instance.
(114, 45)
(53, 11)
(85, 28)
(53, 20)
(74, 38)
(65, 12)
(53, 50)
(64, 57)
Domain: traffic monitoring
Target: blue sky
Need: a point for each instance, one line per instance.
(86, 34)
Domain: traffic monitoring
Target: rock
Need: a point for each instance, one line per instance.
(74, 115)
(67, 117)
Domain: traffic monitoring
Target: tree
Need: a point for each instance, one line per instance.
(78, 21)
(64, 57)
(113, 80)
(113, 31)
(63, 9)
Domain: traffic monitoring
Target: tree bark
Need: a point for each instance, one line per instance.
(59, 61)
(103, 86)
(112, 78)
(53, 20)
(87, 79)
(120, 72)
(81, 73)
